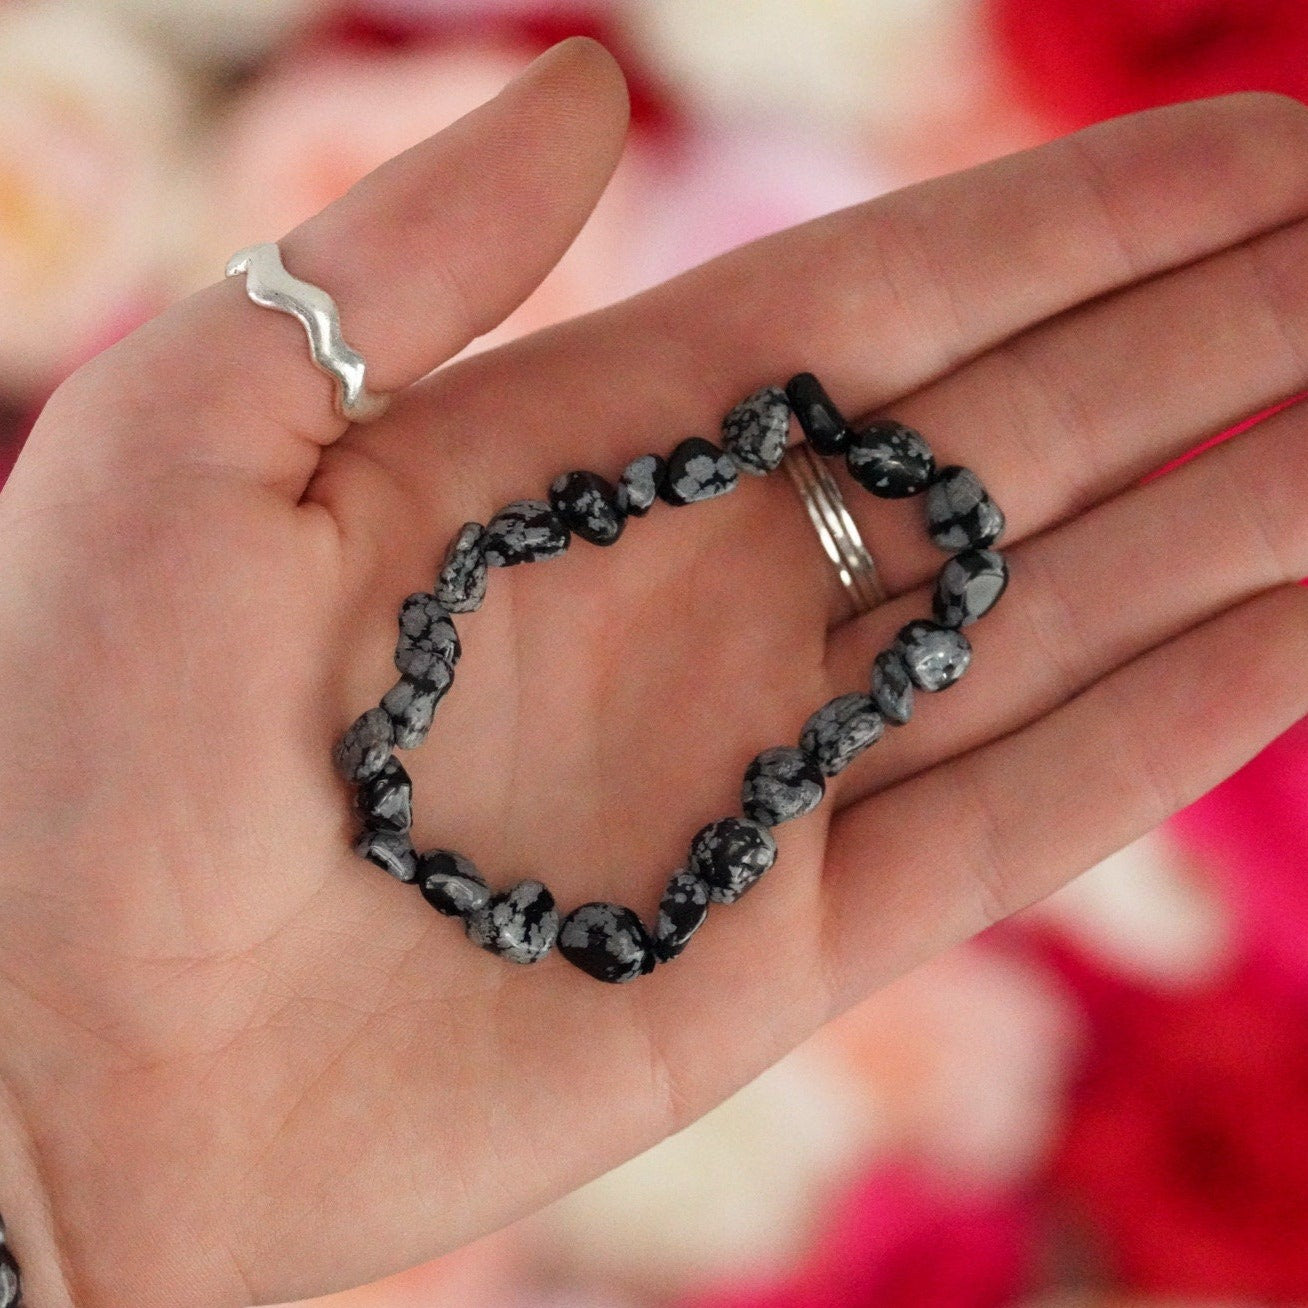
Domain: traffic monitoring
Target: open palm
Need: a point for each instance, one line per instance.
(238, 1063)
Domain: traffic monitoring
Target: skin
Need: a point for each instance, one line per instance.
(237, 1064)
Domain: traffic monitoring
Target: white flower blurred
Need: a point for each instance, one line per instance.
(963, 1064)
(216, 32)
(723, 187)
(1147, 913)
(90, 125)
(914, 78)
(734, 1193)
(419, 9)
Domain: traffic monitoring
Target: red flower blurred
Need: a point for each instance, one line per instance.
(1187, 1145)
(1254, 830)
(898, 1241)
(389, 24)
(1083, 60)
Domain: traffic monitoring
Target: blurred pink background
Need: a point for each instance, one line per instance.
(1102, 1104)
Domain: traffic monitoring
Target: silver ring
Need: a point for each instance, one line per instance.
(268, 284)
(835, 527)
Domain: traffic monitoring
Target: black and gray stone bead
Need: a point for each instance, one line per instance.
(385, 802)
(366, 745)
(608, 941)
(822, 423)
(890, 460)
(682, 911)
(588, 505)
(451, 884)
(392, 851)
(697, 470)
(11, 1285)
(781, 784)
(837, 733)
(730, 855)
(638, 487)
(892, 688)
(521, 924)
(754, 432)
(934, 656)
(412, 705)
(969, 586)
(960, 512)
(525, 531)
(461, 585)
(11, 1281)
(428, 640)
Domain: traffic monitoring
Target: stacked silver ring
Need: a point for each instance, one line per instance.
(835, 527)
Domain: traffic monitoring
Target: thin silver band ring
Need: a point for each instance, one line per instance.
(835, 527)
(269, 285)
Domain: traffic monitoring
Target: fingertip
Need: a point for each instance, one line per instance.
(584, 70)
(603, 72)
(586, 59)
(1269, 104)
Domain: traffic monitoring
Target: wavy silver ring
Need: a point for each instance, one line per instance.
(268, 284)
(835, 527)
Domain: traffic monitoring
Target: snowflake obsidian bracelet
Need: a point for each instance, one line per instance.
(729, 855)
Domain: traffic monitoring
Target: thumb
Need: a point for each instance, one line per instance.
(427, 252)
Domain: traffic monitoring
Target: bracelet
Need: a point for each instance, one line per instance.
(729, 855)
(11, 1282)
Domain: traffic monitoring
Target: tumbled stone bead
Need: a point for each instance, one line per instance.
(386, 801)
(960, 513)
(782, 783)
(730, 855)
(608, 941)
(890, 460)
(754, 432)
(451, 884)
(11, 1283)
(697, 470)
(822, 423)
(892, 688)
(392, 851)
(682, 911)
(521, 924)
(840, 731)
(525, 531)
(427, 639)
(461, 585)
(412, 705)
(366, 745)
(935, 656)
(638, 487)
(588, 504)
(969, 586)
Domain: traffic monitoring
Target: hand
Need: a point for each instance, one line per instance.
(238, 1063)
